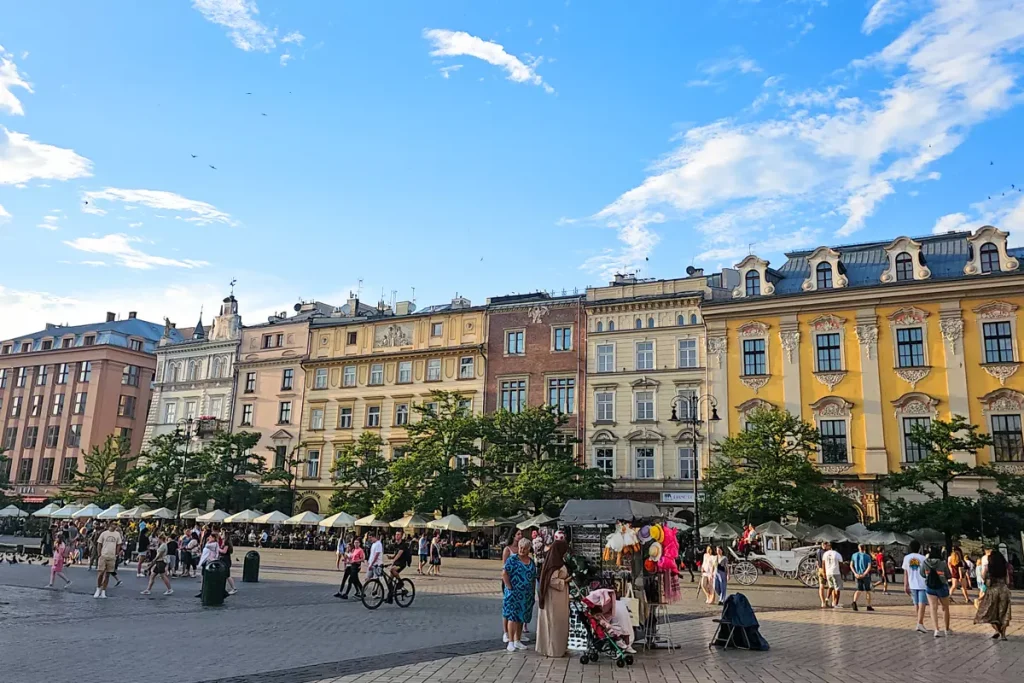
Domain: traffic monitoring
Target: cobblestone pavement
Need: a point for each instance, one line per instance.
(288, 628)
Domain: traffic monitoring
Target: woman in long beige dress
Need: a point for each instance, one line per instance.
(553, 619)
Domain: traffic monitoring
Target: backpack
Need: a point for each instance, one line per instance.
(934, 580)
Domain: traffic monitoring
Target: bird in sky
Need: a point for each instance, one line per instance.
(213, 167)
(194, 156)
(262, 114)
(248, 93)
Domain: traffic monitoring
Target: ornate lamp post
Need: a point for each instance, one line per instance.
(691, 418)
(184, 430)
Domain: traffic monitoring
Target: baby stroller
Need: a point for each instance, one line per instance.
(599, 636)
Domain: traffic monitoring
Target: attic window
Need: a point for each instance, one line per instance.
(824, 275)
(989, 258)
(904, 267)
(753, 283)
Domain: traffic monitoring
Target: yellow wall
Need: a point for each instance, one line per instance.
(739, 393)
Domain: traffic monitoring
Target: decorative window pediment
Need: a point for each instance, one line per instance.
(996, 310)
(997, 238)
(686, 436)
(645, 382)
(753, 328)
(1003, 400)
(604, 436)
(895, 272)
(909, 316)
(753, 264)
(831, 406)
(827, 323)
(645, 434)
(750, 405)
(831, 257)
(916, 403)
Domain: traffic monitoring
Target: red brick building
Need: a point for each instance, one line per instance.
(536, 355)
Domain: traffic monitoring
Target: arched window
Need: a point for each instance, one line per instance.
(904, 267)
(650, 322)
(753, 283)
(693, 318)
(989, 258)
(172, 372)
(680, 320)
(193, 370)
(611, 325)
(824, 274)
(639, 324)
(215, 369)
(600, 326)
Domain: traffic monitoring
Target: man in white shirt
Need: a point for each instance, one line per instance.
(832, 561)
(376, 556)
(914, 583)
(109, 544)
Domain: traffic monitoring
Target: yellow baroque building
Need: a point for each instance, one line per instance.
(367, 369)
(864, 341)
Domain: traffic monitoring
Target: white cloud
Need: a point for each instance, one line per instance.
(49, 222)
(203, 213)
(458, 43)
(11, 78)
(771, 81)
(1005, 211)
(446, 71)
(555, 28)
(119, 246)
(135, 225)
(98, 264)
(739, 63)
(952, 222)
(239, 17)
(23, 159)
(294, 37)
(639, 242)
(829, 160)
(883, 12)
(4, 215)
(285, 58)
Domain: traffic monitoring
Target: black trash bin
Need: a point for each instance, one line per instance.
(251, 567)
(215, 578)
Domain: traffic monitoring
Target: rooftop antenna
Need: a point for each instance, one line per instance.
(359, 288)
(750, 248)
(414, 295)
(232, 283)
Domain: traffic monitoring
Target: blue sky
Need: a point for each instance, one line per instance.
(480, 148)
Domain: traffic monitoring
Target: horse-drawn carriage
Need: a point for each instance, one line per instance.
(798, 563)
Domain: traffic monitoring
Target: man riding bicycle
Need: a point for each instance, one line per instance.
(402, 558)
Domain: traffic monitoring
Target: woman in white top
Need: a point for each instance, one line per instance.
(708, 567)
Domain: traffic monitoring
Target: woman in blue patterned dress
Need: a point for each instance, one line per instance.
(520, 579)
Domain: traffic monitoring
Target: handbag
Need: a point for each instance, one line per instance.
(633, 605)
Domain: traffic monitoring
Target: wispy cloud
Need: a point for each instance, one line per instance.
(715, 69)
(458, 43)
(50, 222)
(883, 12)
(1004, 210)
(119, 247)
(95, 264)
(4, 215)
(200, 213)
(23, 159)
(246, 31)
(447, 71)
(829, 160)
(285, 58)
(294, 37)
(10, 78)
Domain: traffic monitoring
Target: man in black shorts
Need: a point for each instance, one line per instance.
(399, 561)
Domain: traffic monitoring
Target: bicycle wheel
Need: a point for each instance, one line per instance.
(405, 593)
(373, 593)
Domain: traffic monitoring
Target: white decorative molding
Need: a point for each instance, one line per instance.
(867, 335)
(915, 403)
(399, 334)
(827, 323)
(995, 310)
(991, 235)
(831, 406)
(819, 256)
(952, 330)
(1001, 371)
(830, 379)
(912, 375)
(537, 313)
(716, 347)
(836, 468)
(753, 404)
(790, 340)
(1010, 467)
(746, 265)
(913, 249)
(754, 382)
(753, 328)
(909, 316)
(1003, 400)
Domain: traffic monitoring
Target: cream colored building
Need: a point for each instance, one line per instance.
(368, 371)
(645, 348)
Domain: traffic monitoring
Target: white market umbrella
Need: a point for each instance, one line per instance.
(191, 513)
(88, 512)
(773, 528)
(13, 511)
(339, 520)
(212, 516)
(134, 513)
(537, 521)
(46, 511)
(722, 530)
(274, 517)
(410, 522)
(371, 520)
(66, 512)
(111, 512)
(857, 532)
(829, 533)
(306, 518)
(681, 527)
(159, 513)
(448, 523)
(887, 538)
(243, 517)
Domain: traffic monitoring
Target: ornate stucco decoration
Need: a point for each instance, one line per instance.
(904, 245)
(537, 314)
(995, 310)
(827, 323)
(1001, 371)
(746, 265)
(909, 316)
(831, 406)
(991, 235)
(790, 340)
(752, 404)
(399, 334)
(753, 328)
(912, 375)
(1003, 400)
(952, 330)
(754, 382)
(830, 379)
(867, 335)
(716, 347)
(837, 468)
(915, 403)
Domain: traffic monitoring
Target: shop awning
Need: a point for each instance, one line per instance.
(608, 511)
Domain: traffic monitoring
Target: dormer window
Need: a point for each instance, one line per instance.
(824, 275)
(989, 258)
(904, 267)
(753, 281)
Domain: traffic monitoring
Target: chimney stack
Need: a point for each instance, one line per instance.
(110, 317)
(131, 315)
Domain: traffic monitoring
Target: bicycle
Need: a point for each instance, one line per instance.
(380, 584)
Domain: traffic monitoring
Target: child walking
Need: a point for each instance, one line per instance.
(59, 556)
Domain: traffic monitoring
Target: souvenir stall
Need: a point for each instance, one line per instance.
(623, 546)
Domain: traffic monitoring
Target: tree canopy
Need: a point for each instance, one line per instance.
(104, 478)
(360, 474)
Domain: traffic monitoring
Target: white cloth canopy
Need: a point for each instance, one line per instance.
(536, 521)
(159, 513)
(274, 517)
(371, 520)
(66, 512)
(720, 530)
(449, 523)
(13, 511)
(134, 513)
(191, 513)
(339, 520)
(243, 516)
(88, 512)
(306, 518)
(111, 512)
(410, 521)
(212, 516)
(46, 510)
(829, 533)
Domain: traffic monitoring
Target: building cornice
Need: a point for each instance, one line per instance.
(394, 355)
(644, 303)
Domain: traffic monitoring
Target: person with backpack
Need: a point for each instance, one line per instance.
(936, 585)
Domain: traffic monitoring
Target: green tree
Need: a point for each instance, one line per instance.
(160, 469)
(766, 473)
(235, 472)
(5, 482)
(361, 475)
(104, 477)
(934, 475)
(287, 476)
(440, 466)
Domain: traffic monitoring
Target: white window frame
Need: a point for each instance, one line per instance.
(342, 415)
(653, 456)
(349, 376)
(401, 414)
(248, 411)
(370, 412)
(608, 403)
(405, 372)
(913, 404)
(170, 412)
(516, 331)
(320, 378)
(653, 357)
(609, 456)
(316, 419)
(467, 370)
(523, 392)
(313, 463)
(684, 404)
(572, 337)
(609, 357)
(653, 401)
(694, 453)
(680, 353)
(434, 370)
(376, 375)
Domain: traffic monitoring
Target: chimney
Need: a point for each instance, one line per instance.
(353, 305)
(624, 279)
(404, 308)
(110, 317)
(131, 315)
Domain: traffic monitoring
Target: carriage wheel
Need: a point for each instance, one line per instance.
(745, 573)
(808, 572)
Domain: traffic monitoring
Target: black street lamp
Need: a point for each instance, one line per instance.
(691, 418)
(186, 434)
